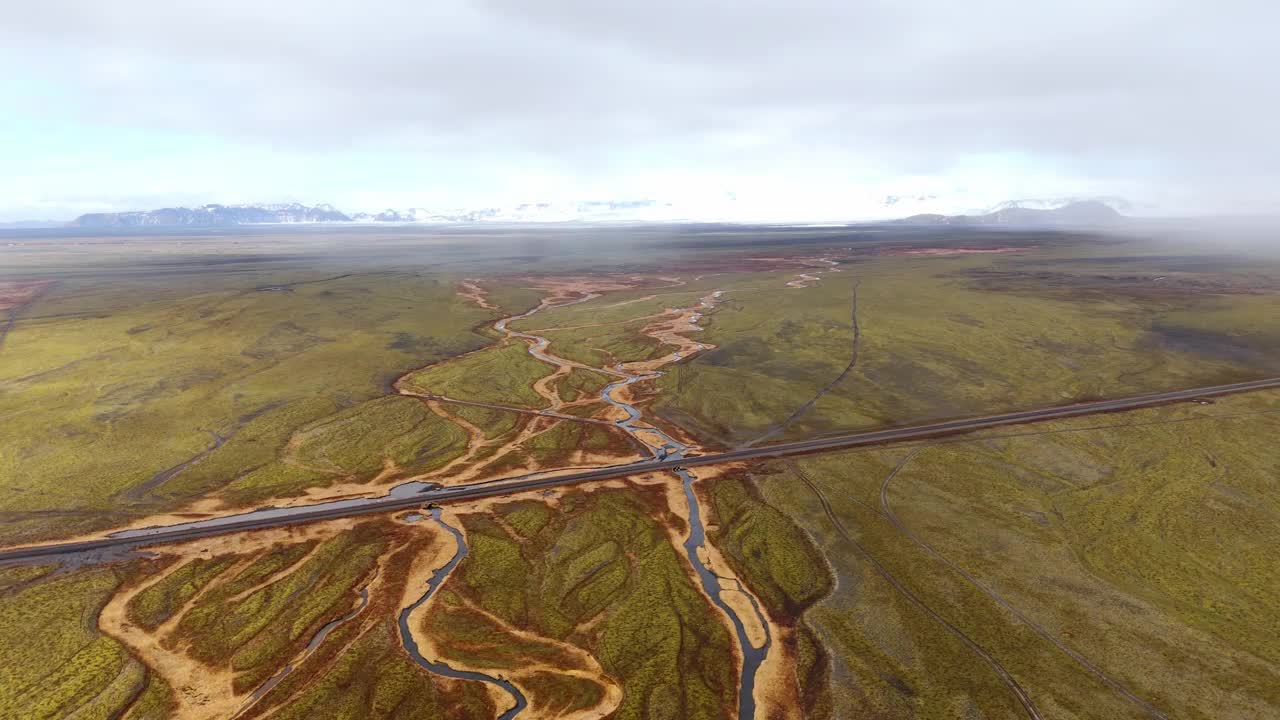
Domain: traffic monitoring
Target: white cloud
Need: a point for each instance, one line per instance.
(819, 100)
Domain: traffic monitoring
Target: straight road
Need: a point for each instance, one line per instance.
(330, 511)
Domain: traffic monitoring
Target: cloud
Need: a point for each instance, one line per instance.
(1156, 95)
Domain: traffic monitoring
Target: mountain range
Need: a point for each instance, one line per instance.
(214, 216)
(221, 215)
(1014, 213)
(1078, 213)
(588, 211)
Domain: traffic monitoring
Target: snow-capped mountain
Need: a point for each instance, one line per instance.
(916, 208)
(1118, 204)
(422, 215)
(220, 215)
(1074, 214)
(964, 204)
(587, 211)
(215, 216)
(396, 216)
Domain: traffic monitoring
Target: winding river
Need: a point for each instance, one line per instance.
(667, 447)
(314, 643)
(752, 657)
(439, 668)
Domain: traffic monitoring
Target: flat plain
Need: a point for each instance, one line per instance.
(1116, 565)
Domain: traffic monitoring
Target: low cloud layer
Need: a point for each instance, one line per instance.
(1171, 101)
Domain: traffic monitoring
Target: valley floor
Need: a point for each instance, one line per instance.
(1106, 566)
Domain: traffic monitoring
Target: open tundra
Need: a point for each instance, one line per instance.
(681, 472)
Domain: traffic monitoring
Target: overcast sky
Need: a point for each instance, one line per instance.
(795, 107)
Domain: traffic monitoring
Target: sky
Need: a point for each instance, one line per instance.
(771, 108)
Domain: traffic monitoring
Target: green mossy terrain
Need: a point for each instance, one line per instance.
(559, 695)
(160, 601)
(375, 680)
(55, 662)
(502, 375)
(604, 346)
(361, 669)
(607, 330)
(557, 444)
(401, 428)
(354, 443)
(494, 423)
(621, 306)
(580, 383)
(126, 394)
(477, 641)
(771, 554)
(1144, 544)
(905, 579)
(565, 437)
(258, 632)
(778, 561)
(949, 336)
(598, 572)
(512, 299)
(586, 410)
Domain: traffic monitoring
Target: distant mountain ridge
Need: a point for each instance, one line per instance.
(1115, 202)
(223, 215)
(1013, 213)
(586, 211)
(215, 216)
(1079, 213)
(395, 216)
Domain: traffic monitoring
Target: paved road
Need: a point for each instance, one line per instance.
(460, 493)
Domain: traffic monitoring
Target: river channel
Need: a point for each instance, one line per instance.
(440, 668)
(667, 448)
(752, 657)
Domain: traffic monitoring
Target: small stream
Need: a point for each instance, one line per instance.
(539, 347)
(439, 668)
(314, 643)
(752, 657)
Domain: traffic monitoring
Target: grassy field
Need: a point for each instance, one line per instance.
(616, 306)
(126, 392)
(122, 396)
(254, 613)
(766, 549)
(580, 383)
(401, 429)
(598, 573)
(361, 670)
(557, 445)
(249, 614)
(56, 663)
(512, 298)
(784, 569)
(608, 330)
(159, 602)
(947, 336)
(1142, 545)
(373, 680)
(502, 375)
(605, 345)
(1109, 566)
(494, 423)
